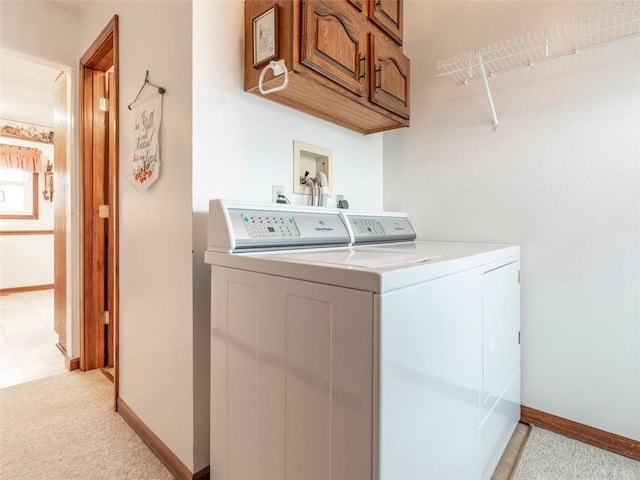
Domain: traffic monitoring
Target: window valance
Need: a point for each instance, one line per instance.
(20, 158)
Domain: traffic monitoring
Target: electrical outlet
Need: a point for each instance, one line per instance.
(275, 191)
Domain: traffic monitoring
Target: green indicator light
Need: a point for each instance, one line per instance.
(245, 219)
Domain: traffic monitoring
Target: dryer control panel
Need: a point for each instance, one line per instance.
(380, 227)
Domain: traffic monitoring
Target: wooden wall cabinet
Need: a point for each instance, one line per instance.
(344, 59)
(390, 76)
(387, 14)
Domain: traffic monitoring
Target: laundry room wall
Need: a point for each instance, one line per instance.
(242, 145)
(155, 295)
(560, 177)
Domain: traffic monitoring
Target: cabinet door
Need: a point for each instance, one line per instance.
(387, 14)
(389, 76)
(357, 3)
(334, 43)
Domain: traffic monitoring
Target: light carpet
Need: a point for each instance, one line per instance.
(549, 456)
(64, 427)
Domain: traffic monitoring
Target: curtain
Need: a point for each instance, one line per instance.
(20, 158)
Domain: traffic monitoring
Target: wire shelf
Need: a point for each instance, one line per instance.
(619, 22)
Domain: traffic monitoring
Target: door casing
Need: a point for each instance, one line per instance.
(61, 172)
(99, 173)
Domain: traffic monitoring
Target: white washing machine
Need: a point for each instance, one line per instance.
(342, 348)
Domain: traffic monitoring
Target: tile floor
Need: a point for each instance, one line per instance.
(27, 339)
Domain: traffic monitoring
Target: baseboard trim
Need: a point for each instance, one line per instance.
(70, 363)
(202, 474)
(74, 363)
(30, 288)
(584, 433)
(160, 450)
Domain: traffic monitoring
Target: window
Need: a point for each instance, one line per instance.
(18, 194)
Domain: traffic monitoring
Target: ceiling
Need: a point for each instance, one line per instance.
(26, 90)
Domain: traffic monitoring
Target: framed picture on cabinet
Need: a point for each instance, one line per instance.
(265, 36)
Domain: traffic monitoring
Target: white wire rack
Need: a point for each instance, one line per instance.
(615, 23)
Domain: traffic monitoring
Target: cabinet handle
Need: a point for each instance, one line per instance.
(376, 4)
(363, 67)
(378, 82)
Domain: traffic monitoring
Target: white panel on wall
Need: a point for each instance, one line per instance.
(560, 177)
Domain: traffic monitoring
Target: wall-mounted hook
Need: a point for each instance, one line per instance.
(161, 90)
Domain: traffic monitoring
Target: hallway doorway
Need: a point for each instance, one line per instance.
(29, 345)
(99, 173)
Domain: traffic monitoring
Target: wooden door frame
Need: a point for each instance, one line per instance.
(61, 125)
(101, 56)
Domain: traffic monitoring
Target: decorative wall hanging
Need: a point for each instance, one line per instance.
(145, 147)
(47, 192)
(26, 131)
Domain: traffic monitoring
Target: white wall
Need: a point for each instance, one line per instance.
(27, 260)
(561, 178)
(243, 144)
(156, 342)
(155, 322)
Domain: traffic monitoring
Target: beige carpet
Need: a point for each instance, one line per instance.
(549, 456)
(64, 428)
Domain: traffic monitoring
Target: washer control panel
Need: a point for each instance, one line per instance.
(244, 227)
(270, 226)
